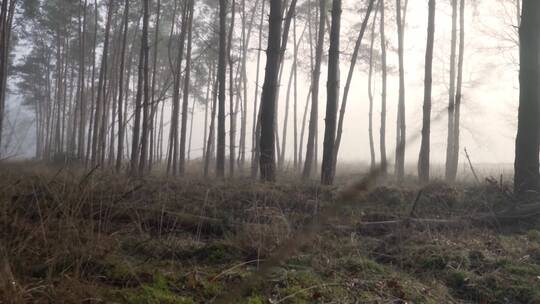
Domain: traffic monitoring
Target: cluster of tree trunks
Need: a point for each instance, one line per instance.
(89, 107)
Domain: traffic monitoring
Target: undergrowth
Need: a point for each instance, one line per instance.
(74, 236)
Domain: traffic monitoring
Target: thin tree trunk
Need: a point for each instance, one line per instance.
(146, 90)
(121, 128)
(232, 112)
(295, 96)
(255, 152)
(452, 94)
(400, 126)
(155, 103)
(96, 140)
(459, 95)
(423, 161)
(172, 162)
(384, 80)
(222, 70)
(211, 137)
(352, 67)
(370, 90)
(185, 102)
(313, 122)
(82, 93)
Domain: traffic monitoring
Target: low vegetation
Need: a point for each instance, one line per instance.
(75, 236)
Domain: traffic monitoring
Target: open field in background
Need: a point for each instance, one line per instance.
(77, 236)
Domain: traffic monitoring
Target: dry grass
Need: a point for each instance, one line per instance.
(75, 236)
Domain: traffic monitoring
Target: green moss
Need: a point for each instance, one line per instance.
(457, 279)
(157, 292)
(360, 264)
(533, 235)
(254, 300)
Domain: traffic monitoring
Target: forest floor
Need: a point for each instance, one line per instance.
(73, 236)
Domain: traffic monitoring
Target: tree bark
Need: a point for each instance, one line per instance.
(401, 139)
(459, 94)
(423, 162)
(232, 112)
(269, 92)
(370, 90)
(121, 127)
(185, 102)
(222, 70)
(384, 80)
(313, 122)
(329, 149)
(527, 177)
(452, 95)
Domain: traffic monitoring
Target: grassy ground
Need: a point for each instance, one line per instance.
(69, 236)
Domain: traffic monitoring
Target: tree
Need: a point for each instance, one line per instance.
(370, 90)
(313, 119)
(232, 112)
(185, 102)
(146, 89)
(97, 148)
(384, 80)
(269, 92)
(329, 148)
(221, 76)
(354, 58)
(423, 162)
(400, 126)
(7, 11)
(459, 89)
(526, 165)
(172, 162)
(452, 95)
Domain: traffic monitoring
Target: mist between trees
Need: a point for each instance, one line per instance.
(256, 88)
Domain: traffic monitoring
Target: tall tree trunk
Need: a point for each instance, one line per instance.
(400, 127)
(191, 129)
(269, 93)
(295, 95)
(459, 89)
(211, 134)
(121, 128)
(155, 103)
(526, 166)
(89, 144)
(6, 25)
(329, 148)
(370, 90)
(172, 162)
(423, 161)
(222, 70)
(255, 152)
(452, 94)
(209, 85)
(232, 112)
(313, 119)
(354, 58)
(146, 90)
(136, 135)
(96, 140)
(384, 80)
(82, 82)
(185, 102)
